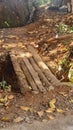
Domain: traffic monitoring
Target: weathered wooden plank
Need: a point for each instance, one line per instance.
(34, 75)
(28, 76)
(51, 78)
(21, 77)
(44, 80)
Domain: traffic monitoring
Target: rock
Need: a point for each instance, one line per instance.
(15, 12)
(56, 3)
(61, 5)
(27, 119)
(63, 9)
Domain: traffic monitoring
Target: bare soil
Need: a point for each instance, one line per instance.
(37, 35)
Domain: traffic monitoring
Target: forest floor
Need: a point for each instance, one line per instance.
(56, 53)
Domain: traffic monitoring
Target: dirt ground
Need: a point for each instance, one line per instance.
(15, 107)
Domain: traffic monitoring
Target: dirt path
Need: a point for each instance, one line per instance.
(63, 123)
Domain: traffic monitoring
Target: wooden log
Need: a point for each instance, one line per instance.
(28, 76)
(19, 73)
(44, 80)
(60, 38)
(51, 78)
(34, 75)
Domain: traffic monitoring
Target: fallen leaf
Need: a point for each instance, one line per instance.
(71, 101)
(50, 117)
(63, 93)
(1, 104)
(18, 119)
(59, 110)
(7, 107)
(40, 113)
(5, 119)
(7, 104)
(20, 45)
(3, 100)
(50, 110)
(10, 97)
(52, 103)
(25, 108)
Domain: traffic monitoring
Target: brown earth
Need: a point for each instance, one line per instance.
(33, 106)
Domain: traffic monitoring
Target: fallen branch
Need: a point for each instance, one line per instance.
(60, 37)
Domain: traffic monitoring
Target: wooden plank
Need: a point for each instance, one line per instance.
(21, 77)
(34, 75)
(44, 80)
(28, 76)
(51, 78)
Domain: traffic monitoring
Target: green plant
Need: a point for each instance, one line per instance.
(71, 29)
(70, 73)
(4, 85)
(7, 24)
(63, 64)
(61, 28)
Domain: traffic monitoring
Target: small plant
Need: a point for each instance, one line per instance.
(71, 29)
(7, 24)
(61, 28)
(63, 64)
(4, 85)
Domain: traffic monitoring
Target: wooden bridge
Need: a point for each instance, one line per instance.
(32, 73)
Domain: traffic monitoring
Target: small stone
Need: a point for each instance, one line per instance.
(27, 120)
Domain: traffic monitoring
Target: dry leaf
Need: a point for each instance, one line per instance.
(40, 113)
(1, 104)
(20, 45)
(50, 110)
(7, 107)
(18, 119)
(60, 111)
(10, 97)
(63, 93)
(52, 103)
(71, 101)
(25, 108)
(3, 100)
(5, 119)
(50, 117)
(7, 104)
